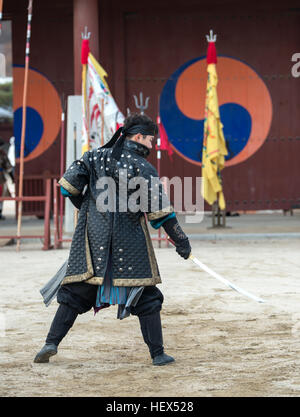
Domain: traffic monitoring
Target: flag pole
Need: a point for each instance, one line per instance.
(214, 146)
(1, 8)
(85, 36)
(21, 173)
(62, 166)
(159, 153)
(75, 157)
(102, 121)
(158, 141)
(85, 49)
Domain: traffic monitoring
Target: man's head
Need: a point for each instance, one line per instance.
(143, 127)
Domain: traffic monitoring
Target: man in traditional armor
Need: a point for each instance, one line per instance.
(111, 259)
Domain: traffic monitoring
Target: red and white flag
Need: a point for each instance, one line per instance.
(164, 141)
(101, 115)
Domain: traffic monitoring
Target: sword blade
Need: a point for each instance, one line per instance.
(225, 281)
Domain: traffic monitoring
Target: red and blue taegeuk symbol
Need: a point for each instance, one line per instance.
(245, 107)
(43, 113)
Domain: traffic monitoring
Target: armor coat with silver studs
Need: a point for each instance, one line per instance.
(113, 219)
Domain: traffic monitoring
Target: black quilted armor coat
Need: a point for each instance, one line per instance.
(125, 233)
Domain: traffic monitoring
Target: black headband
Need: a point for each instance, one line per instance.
(117, 141)
(143, 129)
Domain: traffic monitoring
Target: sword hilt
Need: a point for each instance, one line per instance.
(173, 243)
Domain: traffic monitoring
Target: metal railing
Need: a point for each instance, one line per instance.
(47, 209)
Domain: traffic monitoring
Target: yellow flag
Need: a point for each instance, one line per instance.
(214, 147)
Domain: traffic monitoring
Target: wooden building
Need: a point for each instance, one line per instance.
(157, 47)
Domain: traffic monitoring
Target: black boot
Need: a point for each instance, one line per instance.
(152, 334)
(62, 322)
(45, 353)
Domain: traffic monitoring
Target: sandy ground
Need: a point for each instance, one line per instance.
(224, 344)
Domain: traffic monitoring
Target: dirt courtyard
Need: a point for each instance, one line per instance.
(223, 343)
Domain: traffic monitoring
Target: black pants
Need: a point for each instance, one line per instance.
(78, 298)
(81, 297)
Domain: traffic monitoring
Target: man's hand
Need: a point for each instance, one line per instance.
(184, 248)
(181, 241)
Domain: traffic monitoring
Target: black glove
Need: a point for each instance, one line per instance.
(173, 229)
(184, 248)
